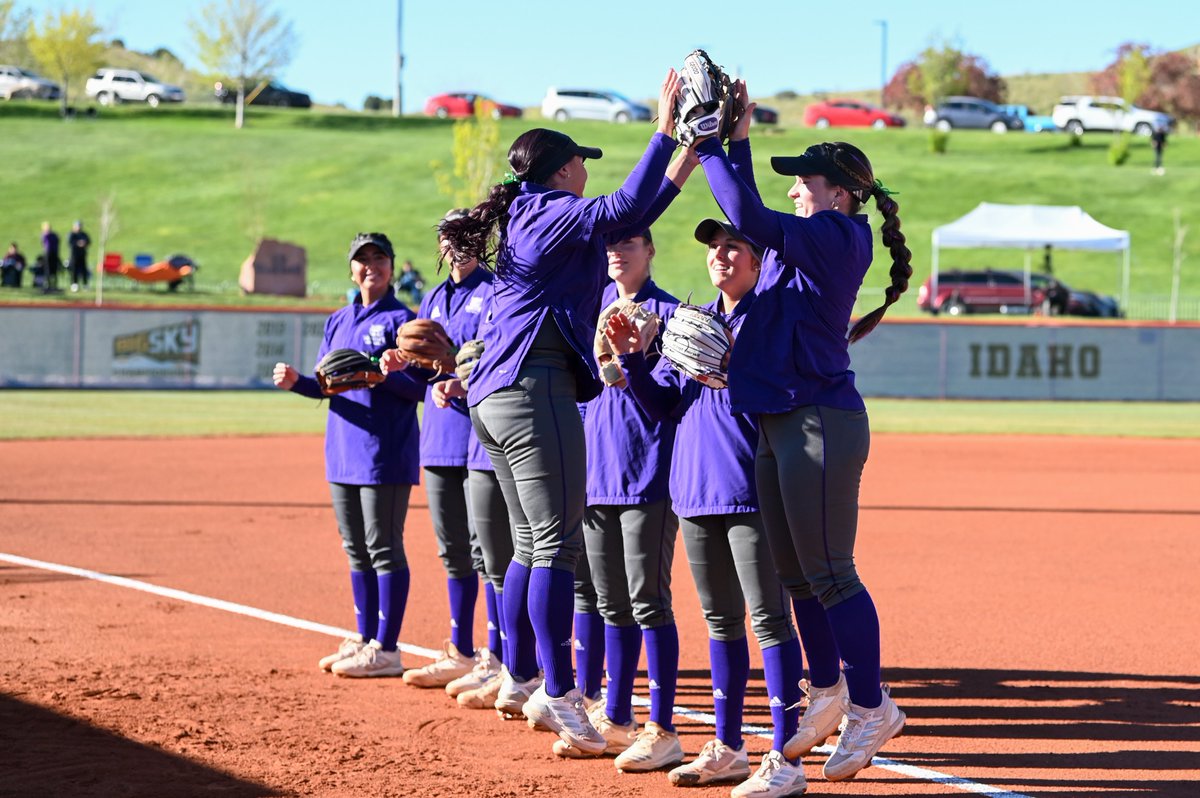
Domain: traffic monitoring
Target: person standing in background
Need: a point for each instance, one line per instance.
(53, 261)
(1158, 140)
(79, 242)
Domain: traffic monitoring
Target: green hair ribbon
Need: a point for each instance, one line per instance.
(879, 186)
(510, 178)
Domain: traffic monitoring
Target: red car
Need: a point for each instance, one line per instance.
(462, 103)
(981, 291)
(849, 113)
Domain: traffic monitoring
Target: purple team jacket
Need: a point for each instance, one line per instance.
(712, 467)
(553, 264)
(792, 350)
(447, 437)
(628, 452)
(370, 434)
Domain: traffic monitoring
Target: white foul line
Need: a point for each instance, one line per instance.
(911, 771)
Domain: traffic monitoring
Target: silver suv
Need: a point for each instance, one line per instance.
(564, 104)
(110, 86)
(16, 83)
(972, 112)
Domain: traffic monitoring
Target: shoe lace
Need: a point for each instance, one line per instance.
(711, 752)
(577, 718)
(853, 727)
(806, 700)
(769, 767)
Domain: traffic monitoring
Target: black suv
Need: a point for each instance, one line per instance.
(271, 94)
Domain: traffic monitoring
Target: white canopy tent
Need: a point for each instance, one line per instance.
(1031, 227)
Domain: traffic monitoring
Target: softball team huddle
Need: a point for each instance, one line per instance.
(565, 495)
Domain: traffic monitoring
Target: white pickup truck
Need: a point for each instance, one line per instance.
(1077, 114)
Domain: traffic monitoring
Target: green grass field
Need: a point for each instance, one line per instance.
(102, 414)
(186, 181)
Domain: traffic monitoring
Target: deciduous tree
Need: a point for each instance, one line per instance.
(67, 46)
(1172, 81)
(942, 71)
(14, 31)
(476, 153)
(242, 40)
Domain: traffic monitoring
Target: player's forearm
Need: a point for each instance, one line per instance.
(741, 205)
(629, 203)
(656, 400)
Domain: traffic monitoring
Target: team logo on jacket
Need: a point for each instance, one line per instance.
(475, 305)
(436, 313)
(375, 335)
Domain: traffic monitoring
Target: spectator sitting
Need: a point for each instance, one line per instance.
(12, 267)
(410, 280)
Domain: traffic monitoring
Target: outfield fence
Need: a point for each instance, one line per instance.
(1031, 358)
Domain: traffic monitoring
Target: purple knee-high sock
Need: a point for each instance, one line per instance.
(856, 627)
(820, 646)
(551, 592)
(366, 602)
(783, 667)
(730, 661)
(463, 592)
(623, 645)
(662, 668)
(519, 644)
(495, 636)
(393, 597)
(589, 653)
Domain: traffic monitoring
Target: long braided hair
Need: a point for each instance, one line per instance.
(481, 232)
(858, 176)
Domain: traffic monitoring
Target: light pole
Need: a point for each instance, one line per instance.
(399, 55)
(882, 23)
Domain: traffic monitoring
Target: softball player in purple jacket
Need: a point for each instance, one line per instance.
(371, 461)
(813, 430)
(713, 490)
(536, 365)
(467, 545)
(629, 531)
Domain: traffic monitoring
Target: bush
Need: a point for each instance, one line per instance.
(938, 141)
(787, 94)
(373, 103)
(1118, 151)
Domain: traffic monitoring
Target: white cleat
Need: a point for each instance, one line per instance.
(863, 734)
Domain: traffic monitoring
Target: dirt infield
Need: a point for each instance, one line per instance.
(1037, 595)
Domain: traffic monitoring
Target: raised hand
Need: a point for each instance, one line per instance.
(391, 361)
(741, 96)
(667, 96)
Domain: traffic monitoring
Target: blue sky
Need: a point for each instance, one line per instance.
(514, 49)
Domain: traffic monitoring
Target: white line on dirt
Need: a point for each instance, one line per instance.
(911, 771)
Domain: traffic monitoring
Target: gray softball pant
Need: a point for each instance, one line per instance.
(486, 505)
(733, 568)
(533, 435)
(808, 468)
(370, 519)
(453, 524)
(630, 549)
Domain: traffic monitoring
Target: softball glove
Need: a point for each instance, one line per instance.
(697, 342)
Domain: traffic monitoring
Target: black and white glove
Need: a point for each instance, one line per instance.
(697, 342)
(706, 105)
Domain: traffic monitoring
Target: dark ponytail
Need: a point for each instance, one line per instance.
(901, 269)
(475, 234)
(534, 156)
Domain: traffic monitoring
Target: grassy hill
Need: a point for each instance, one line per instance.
(185, 181)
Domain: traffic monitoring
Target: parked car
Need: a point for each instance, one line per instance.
(1080, 303)
(459, 104)
(110, 86)
(962, 291)
(17, 83)
(272, 94)
(1034, 123)
(972, 112)
(764, 115)
(849, 113)
(564, 104)
(984, 291)
(1079, 113)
